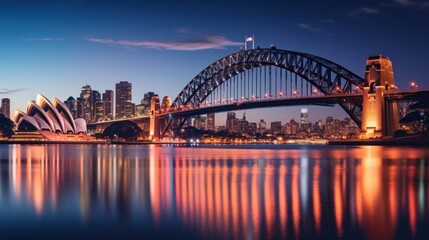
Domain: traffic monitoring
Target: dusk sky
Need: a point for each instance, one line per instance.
(56, 47)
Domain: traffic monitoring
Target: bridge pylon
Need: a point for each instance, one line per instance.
(379, 117)
(153, 123)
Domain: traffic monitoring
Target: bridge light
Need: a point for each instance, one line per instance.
(414, 85)
(315, 91)
(281, 94)
(338, 88)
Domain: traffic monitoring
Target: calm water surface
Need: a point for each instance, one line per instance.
(231, 192)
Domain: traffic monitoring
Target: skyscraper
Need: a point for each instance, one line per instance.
(71, 104)
(124, 106)
(85, 103)
(231, 122)
(108, 101)
(276, 127)
(5, 107)
(262, 126)
(304, 119)
(211, 121)
(144, 107)
(95, 97)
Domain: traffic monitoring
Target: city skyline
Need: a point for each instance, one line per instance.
(159, 47)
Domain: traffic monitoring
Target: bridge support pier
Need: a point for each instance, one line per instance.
(153, 124)
(379, 117)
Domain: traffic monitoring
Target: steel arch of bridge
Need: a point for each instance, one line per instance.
(327, 76)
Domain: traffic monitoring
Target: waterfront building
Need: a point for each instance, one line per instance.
(95, 97)
(49, 121)
(305, 123)
(231, 122)
(5, 107)
(124, 106)
(85, 105)
(211, 121)
(253, 127)
(108, 104)
(329, 126)
(276, 126)
(71, 104)
(243, 124)
(318, 126)
(100, 110)
(200, 122)
(262, 126)
(143, 109)
(294, 126)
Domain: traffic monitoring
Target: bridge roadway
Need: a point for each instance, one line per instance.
(321, 100)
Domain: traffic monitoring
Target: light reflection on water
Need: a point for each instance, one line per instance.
(227, 193)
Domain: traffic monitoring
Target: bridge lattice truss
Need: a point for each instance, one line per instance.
(282, 68)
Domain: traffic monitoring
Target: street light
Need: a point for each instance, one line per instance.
(414, 85)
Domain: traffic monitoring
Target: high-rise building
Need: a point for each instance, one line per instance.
(305, 123)
(253, 127)
(71, 104)
(95, 97)
(108, 101)
(5, 107)
(100, 110)
(276, 127)
(211, 121)
(144, 107)
(243, 124)
(262, 126)
(294, 126)
(329, 128)
(231, 122)
(200, 122)
(124, 106)
(85, 103)
(318, 126)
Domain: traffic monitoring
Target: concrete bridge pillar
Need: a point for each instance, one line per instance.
(379, 117)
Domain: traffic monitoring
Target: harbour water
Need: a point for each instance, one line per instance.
(213, 192)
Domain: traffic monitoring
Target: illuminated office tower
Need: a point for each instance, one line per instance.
(124, 106)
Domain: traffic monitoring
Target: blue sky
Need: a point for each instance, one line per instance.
(55, 47)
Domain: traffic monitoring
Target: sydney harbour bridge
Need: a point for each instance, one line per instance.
(271, 77)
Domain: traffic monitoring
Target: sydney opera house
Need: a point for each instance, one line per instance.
(48, 121)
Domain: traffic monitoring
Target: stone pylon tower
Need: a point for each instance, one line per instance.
(379, 117)
(153, 125)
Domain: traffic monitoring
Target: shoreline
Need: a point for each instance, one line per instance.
(371, 142)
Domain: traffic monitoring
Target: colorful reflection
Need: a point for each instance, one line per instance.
(325, 192)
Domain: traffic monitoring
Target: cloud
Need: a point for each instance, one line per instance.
(309, 28)
(368, 10)
(411, 3)
(42, 39)
(8, 91)
(363, 11)
(201, 42)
